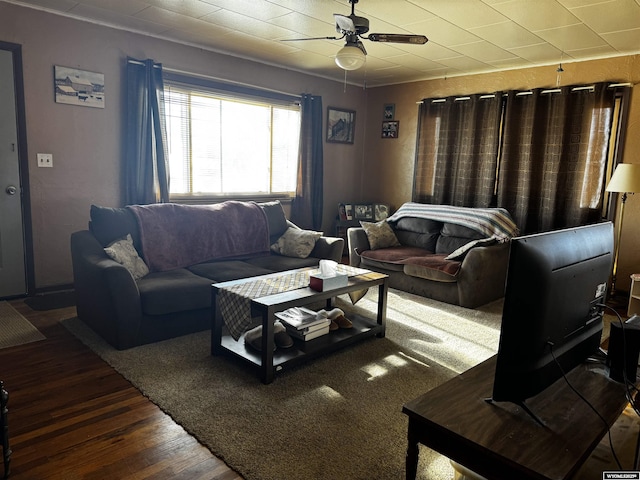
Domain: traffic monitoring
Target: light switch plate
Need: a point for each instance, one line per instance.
(45, 160)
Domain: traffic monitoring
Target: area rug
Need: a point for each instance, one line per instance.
(15, 329)
(339, 416)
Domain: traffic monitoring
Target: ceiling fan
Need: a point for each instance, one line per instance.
(352, 27)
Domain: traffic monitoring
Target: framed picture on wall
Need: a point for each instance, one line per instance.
(78, 87)
(341, 125)
(389, 111)
(390, 129)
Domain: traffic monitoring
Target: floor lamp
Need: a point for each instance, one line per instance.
(625, 180)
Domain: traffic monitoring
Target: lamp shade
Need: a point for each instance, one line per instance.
(626, 178)
(350, 58)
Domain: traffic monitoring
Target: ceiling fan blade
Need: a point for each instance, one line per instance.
(344, 24)
(310, 38)
(398, 38)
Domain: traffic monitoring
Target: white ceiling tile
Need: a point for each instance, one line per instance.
(306, 26)
(547, 14)
(506, 35)
(484, 51)
(572, 37)
(463, 13)
(123, 7)
(626, 41)
(126, 22)
(612, 16)
(248, 25)
(190, 8)
(444, 32)
(250, 8)
(540, 53)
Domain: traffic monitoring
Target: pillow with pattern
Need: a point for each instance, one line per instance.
(123, 252)
(380, 234)
(296, 242)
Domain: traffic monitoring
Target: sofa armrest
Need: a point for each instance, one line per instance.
(329, 248)
(358, 242)
(483, 275)
(107, 296)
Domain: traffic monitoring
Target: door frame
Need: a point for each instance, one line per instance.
(23, 161)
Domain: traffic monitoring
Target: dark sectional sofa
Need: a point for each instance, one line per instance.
(171, 302)
(442, 258)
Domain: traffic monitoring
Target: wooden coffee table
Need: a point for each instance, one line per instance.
(269, 362)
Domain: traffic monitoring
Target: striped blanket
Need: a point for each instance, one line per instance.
(492, 222)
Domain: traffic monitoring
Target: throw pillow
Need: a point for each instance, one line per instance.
(380, 234)
(296, 242)
(461, 252)
(123, 252)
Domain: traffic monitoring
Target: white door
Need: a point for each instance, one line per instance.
(13, 278)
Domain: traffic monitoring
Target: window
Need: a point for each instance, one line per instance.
(230, 143)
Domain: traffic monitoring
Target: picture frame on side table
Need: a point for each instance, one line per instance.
(364, 211)
(341, 125)
(348, 210)
(380, 212)
(390, 129)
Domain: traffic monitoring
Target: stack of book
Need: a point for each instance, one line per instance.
(304, 324)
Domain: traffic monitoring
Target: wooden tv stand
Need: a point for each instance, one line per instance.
(500, 440)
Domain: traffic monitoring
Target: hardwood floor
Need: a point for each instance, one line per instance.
(71, 416)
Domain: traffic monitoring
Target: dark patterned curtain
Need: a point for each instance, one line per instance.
(146, 169)
(457, 151)
(306, 209)
(554, 156)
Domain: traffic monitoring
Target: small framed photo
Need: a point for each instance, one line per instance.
(380, 211)
(78, 87)
(364, 212)
(389, 111)
(390, 129)
(342, 211)
(341, 125)
(348, 210)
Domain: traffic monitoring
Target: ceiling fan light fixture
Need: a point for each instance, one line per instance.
(350, 57)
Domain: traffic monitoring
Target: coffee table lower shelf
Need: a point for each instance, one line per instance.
(302, 351)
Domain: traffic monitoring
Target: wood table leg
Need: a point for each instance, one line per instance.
(268, 318)
(413, 451)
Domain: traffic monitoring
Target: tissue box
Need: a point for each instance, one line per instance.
(322, 283)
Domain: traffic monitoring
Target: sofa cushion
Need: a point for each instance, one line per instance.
(380, 235)
(296, 242)
(280, 263)
(108, 224)
(225, 270)
(173, 291)
(391, 258)
(427, 241)
(123, 252)
(455, 236)
(276, 219)
(419, 225)
(433, 267)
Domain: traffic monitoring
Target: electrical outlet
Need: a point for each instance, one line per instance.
(45, 160)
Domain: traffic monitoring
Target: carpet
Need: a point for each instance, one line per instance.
(15, 329)
(339, 416)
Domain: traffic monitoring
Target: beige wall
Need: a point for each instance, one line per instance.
(390, 161)
(86, 143)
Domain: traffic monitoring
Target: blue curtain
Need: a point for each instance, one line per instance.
(146, 168)
(306, 209)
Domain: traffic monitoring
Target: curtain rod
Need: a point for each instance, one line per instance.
(210, 77)
(530, 92)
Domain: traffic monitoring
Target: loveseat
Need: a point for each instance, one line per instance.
(451, 254)
(143, 273)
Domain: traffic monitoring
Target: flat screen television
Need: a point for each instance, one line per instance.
(555, 283)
